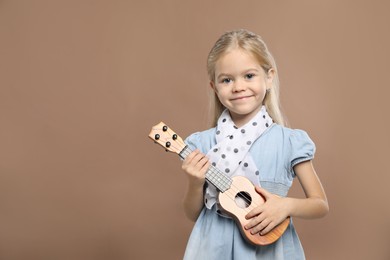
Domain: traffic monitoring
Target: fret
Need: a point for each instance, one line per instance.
(221, 181)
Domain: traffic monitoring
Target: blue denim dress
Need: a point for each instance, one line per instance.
(276, 152)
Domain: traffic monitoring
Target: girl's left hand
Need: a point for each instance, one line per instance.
(268, 215)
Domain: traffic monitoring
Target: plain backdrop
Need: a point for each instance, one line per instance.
(82, 82)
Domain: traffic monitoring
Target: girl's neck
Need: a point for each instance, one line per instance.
(241, 120)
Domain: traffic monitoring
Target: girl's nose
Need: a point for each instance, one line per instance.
(238, 86)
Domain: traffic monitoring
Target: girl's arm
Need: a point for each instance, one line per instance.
(276, 209)
(315, 205)
(195, 165)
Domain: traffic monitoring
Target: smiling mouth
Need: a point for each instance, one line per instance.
(240, 98)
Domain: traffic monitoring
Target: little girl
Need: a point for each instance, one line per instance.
(248, 138)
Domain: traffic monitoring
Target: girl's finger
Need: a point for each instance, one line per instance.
(263, 224)
(254, 212)
(254, 221)
(268, 228)
(263, 192)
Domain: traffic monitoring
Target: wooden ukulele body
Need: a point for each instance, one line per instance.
(243, 188)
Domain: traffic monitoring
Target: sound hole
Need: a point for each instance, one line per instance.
(243, 199)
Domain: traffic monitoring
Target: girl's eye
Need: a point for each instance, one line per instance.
(226, 80)
(249, 75)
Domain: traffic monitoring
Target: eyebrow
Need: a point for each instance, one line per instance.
(223, 75)
(243, 72)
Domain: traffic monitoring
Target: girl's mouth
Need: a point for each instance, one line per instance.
(240, 98)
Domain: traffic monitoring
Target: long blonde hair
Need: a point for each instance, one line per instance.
(254, 45)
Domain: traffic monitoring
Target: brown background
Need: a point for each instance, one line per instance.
(82, 82)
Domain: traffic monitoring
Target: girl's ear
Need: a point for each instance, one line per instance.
(212, 85)
(270, 77)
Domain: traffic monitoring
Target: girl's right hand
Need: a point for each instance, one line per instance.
(196, 165)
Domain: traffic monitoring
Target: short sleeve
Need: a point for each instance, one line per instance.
(203, 140)
(193, 141)
(302, 148)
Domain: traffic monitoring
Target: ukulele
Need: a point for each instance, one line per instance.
(233, 191)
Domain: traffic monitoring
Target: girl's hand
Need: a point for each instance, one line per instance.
(268, 215)
(196, 165)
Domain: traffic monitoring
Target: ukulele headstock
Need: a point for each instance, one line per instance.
(164, 136)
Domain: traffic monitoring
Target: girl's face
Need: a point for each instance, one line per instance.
(240, 84)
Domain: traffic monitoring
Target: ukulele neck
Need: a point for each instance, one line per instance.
(217, 178)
